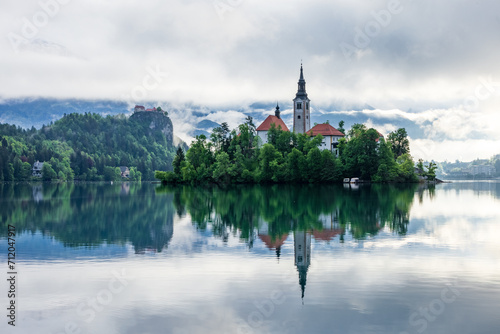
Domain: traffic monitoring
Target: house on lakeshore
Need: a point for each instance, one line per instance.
(275, 119)
(330, 135)
(124, 171)
(37, 169)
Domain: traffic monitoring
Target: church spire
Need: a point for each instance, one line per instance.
(277, 111)
(301, 91)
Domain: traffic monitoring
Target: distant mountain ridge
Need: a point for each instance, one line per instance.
(28, 112)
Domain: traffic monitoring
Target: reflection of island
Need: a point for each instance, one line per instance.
(275, 211)
(272, 213)
(331, 227)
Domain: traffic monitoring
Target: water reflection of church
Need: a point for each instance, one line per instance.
(302, 242)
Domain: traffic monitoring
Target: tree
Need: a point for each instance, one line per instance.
(431, 171)
(135, 175)
(111, 173)
(220, 137)
(269, 166)
(399, 142)
(332, 167)
(314, 164)
(420, 168)
(360, 155)
(356, 130)
(200, 153)
(387, 170)
(221, 172)
(179, 158)
(295, 163)
(48, 173)
(341, 127)
(406, 168)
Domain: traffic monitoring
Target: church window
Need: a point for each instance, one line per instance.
(307, 105)
(299, 105)
(299, 259)
(298, 117)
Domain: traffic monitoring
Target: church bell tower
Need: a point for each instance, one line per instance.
(301, 108)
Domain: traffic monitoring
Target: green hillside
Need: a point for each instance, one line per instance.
(89, 147)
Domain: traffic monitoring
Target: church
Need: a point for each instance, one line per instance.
(301, 120)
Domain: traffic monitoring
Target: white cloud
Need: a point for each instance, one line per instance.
(429, 59)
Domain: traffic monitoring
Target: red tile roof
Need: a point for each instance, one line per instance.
(266, 125)
(325, 130)
(273, 243)
(150, 109)
(326, 235)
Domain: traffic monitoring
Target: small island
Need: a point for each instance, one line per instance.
(271, 153)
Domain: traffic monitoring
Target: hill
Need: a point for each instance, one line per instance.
(89, 147)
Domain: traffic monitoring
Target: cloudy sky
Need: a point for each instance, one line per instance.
(433, 63)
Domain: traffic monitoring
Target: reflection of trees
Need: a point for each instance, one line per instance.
(91, 214)
(242, 208)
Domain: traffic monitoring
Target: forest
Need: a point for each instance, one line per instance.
(237, 156)
(87, 147)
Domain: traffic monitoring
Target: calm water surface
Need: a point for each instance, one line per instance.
(141, 258)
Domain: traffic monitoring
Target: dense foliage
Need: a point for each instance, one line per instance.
(85, 147)
(238, 157)
(241, 209)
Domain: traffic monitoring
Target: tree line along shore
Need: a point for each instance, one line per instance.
(238, 156)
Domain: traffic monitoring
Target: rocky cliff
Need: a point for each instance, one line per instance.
(156, 121)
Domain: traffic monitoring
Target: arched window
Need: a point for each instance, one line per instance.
(299, 105)
(298, 117)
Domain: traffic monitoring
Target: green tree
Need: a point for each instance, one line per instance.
(48, 173)
(221, 172)
(270, 160)
(331, 167)
(220, 137)
(295, 163)
(341, 127)
(387, 170)
(406, 168)
(179, 158)
(199, 153)
(315, 165)
(399, 142)
(431, 171)
(111, 173)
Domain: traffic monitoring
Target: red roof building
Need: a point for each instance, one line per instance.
(330, 135)
(266, 125)
(139, 108)
(325, 130)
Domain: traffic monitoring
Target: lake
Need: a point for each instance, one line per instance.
(144, 258)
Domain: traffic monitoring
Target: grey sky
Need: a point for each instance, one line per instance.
(433, 61)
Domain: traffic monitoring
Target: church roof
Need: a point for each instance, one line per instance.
(275, 242)
(266, 125)
(326, 235)
(325, 130)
